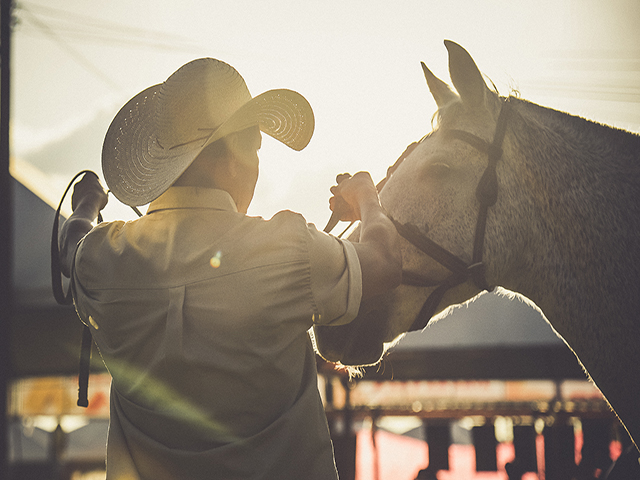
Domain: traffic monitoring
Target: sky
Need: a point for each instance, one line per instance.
(76, 62)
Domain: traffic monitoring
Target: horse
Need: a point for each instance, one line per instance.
(504, 193)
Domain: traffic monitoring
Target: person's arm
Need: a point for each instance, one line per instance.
(88, 199)
(356, 198)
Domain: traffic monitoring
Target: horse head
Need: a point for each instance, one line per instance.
(433, 189)
(541, 202)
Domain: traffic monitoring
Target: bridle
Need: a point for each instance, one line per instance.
(486, 193)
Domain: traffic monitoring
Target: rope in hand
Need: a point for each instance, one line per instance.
(56, 271)
(341, 206)
(66, 298)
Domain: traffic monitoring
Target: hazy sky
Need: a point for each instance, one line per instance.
(76, 62)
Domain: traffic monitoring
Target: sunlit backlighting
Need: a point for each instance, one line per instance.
(93, 323)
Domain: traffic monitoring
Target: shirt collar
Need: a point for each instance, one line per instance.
(193, 197)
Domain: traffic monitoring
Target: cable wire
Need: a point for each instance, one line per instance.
(79, 57)
(84, 27)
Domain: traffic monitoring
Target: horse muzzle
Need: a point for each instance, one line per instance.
(358, 343)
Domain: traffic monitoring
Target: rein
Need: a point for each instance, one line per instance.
(487, 195)
(66, 298)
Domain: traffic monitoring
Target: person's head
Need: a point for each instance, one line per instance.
(230, 164)
(163, 130)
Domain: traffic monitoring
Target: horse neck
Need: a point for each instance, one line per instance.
(576, 185)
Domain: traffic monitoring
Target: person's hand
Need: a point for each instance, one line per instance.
(350, 193)
(356, 198)
(87, 200)
(89, 195)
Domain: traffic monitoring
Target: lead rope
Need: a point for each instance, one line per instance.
(67, 298)
(56, 272)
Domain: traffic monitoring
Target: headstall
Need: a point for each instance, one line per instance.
(486, 193)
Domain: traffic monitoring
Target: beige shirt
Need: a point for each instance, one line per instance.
(201, 315)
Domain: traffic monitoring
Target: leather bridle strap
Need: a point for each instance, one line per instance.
(413, 235)
(487, 189)
(487, 194)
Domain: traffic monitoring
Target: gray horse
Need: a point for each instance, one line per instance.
(555, 221)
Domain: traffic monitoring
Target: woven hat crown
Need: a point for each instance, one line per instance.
(196, 100)
(158, 133)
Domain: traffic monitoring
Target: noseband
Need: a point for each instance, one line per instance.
(486, 193)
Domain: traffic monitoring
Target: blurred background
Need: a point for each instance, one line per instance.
(490, 392)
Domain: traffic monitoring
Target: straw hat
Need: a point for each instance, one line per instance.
(159, 132)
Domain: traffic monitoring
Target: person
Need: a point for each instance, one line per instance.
(200, 312)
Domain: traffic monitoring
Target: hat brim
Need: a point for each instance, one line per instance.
(138, 169)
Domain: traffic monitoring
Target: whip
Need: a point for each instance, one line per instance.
(66, 298)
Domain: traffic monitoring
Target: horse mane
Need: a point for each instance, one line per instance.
(585, 128)
(543, 129)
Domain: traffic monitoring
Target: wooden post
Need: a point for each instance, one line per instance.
(524, 443)
(438, 434)
(559, 450)
(596, 434)
(344, 442)
(6, 229)
(485, 443)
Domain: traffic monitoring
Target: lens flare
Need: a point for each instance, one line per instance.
(215, 260)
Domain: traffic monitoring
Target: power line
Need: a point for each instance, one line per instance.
(79, 19)
(79, 57)
(109, 39)
(88, 28)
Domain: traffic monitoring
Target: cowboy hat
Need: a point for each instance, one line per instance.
(159, 132)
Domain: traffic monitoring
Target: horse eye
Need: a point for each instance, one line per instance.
(438, 170)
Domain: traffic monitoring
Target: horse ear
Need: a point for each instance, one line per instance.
(441, 92)
(465, 75)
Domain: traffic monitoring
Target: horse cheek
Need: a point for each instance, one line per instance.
(330, 342)
(358, 343)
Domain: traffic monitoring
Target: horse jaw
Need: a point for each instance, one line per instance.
(381, 323)
(365, 339)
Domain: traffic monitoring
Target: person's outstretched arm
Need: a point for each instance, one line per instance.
(356, 198)
(88, 199)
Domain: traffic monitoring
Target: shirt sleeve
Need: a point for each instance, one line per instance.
(336, 278)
